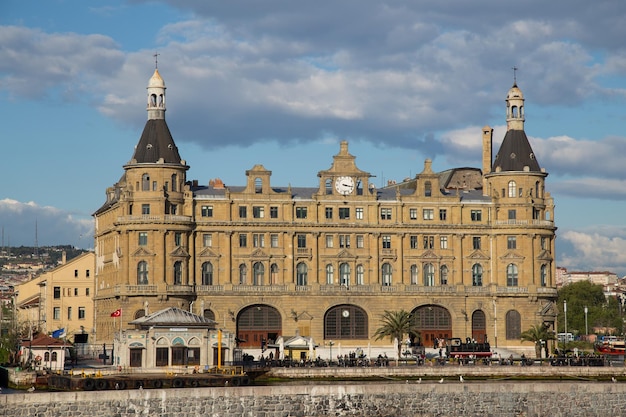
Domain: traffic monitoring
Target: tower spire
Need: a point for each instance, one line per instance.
(156, 94)
(514, 68)
(156, 60)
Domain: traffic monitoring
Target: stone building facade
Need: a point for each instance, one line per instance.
(470, 252)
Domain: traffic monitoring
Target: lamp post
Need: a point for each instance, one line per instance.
(331, 343)
(586, 326)
(565, 313)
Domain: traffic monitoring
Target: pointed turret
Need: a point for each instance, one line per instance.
(515, 153)
(156, 143)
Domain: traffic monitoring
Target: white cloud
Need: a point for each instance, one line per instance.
(602, 249)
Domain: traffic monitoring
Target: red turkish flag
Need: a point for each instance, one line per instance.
(117, 313)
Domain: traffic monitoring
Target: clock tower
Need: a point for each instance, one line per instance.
(344, 178)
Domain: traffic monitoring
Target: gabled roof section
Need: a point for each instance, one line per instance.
(173, 316)
(515, 154)
(156, 145)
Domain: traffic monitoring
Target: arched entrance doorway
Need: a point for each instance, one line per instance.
(258, 325)
(479, 326)
(433, 322)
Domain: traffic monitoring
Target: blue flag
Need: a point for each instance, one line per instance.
(58, 333)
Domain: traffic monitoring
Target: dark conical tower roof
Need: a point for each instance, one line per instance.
(156, 143)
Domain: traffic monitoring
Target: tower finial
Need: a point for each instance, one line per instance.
(514, 75)
(156, 60)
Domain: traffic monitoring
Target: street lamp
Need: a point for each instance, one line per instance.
(586, 327)
(565, 313)
(331, 343)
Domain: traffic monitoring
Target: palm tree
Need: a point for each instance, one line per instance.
(538, 333)
(396, 324)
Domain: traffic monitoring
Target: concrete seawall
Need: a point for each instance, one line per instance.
(450, 399)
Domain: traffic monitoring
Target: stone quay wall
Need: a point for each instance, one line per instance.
(394, 399)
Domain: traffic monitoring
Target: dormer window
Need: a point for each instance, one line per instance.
(258, 185)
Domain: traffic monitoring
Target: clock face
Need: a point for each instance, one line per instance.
(345, 313)
(344, 185)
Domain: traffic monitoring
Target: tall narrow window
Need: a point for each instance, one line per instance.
(207, 273)
(330, 274)
(414, 276)
(174, 182)
(360, 275)
(143, 238)
(273, 274)
(477, 275)
(258, 185)
(142, 273)
(301, 274)
(207, 240)
(511, 275)
(178, 273)
(512, 189)
(544, 275)
(259, 273)
(344, 274)
(429, 275)
(443, 275)
(428, 189)
(243, 271)
(145, 182)
(386, 275)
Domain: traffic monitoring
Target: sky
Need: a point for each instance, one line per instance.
(281, 83)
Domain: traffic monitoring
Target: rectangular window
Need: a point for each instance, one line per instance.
(413, 242)
(207, 240)
(178, 239)
(360, 241)
(476, 215)
(302, 241)
(429, 242)
(69, 313)
(243, 240)
(329, 212)
(75, 292)
(274, 240)
(344, 212)
(544, 243)
(173, 209)
(87, 273)
(87, 292)
(386, 242)
(512, 214)
(207, 211)
(329, 241)
(274, 212)
(56, 313)
(359, 213)
(344, 241)
(143, 238)
(476, 242)
(154, 185)
(413, 213)
(145, 209)
(243, 212)
(511, 242)
(81, 313)
(385, 213)
(258, 212)
(428, 214)
(443, 242)
(443, 214)
(258, 240)
(76, 273)
(300, 212)
(57, 293)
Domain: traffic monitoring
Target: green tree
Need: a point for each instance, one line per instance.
(395, 324)
(537, 334)
(602, 312)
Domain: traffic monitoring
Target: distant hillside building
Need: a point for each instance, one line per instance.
(469, 252)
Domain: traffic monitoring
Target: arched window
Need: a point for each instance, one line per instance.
(537, 190)
(208, 314)
(302, 271)
(512, 188)
(258, 185)
(544, 275)
(345, 322)
(207, 273)
(330, 274)
(259, 272)
(360, 275)
(273, 274)
(139, 314)
(142, 273)
(178, 273)
(344, 274)
(414, 274)
(429, 275)
(513, 325)
(46, 357)
(477, 275)
(329, 186)
(145, 182)
(511, 275)
(243, 271)
(386, 274)
(443, 275)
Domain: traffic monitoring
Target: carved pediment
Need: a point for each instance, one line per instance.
(429, 254)
(180, 252)
(512, 256)
(142, 252)
(208, 253)
(258, 253)
(345, 254)
(478, 255)
(544, 255)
